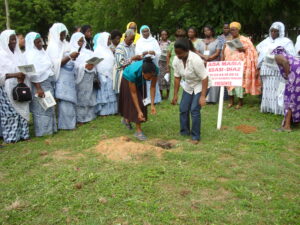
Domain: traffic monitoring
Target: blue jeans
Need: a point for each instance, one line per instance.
(190, 103)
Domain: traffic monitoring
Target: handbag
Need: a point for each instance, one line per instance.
(21, 93)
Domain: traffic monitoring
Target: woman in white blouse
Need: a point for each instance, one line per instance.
(190, 73)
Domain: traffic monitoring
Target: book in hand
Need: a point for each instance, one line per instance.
(27, 69)
(94, 61)
(48, 101)
(270, 60)
(234, 44)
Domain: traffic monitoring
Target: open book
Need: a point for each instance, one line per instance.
(234, 44)
(48, 101)
(27, 69)
(94, 61)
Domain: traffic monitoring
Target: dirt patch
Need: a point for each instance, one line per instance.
(16, 205)
(246, 129)
(124, 149)
(66, 155)
(210, 196)
(165, 144)
(224, 128)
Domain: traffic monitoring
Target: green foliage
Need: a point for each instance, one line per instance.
(255, 16)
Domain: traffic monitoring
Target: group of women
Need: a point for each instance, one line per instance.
(134, 72)
(82, 89)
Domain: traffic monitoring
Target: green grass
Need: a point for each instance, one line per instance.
(229, 178)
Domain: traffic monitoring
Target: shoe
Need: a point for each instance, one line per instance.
(140, 136)
(281, 129)
(127, 125)
(194, 142)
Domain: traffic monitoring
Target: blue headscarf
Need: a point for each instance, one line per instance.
(95, 40)
(144, 27)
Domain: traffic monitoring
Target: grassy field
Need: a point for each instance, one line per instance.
(229, 178)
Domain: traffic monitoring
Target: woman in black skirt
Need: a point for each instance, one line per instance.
(133, 99)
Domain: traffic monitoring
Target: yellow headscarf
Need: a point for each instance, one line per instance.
(235, 25)
(137, 35)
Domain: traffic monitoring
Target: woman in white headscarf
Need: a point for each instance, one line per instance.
(106, 97)
(63, 60)
(84, 77)
(272, 81)
(148, 46)
(14, 114)
(43, 80)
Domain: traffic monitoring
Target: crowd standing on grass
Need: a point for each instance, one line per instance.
(133, 71)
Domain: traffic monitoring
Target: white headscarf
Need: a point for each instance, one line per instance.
(266, 46)
(149, 44)
(85, 54)
(9, 62)
(56, 48)
(104, 68)
(297, 46)
(39, 58)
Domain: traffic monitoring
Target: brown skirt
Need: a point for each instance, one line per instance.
(126, 105)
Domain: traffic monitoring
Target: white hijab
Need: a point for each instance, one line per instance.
(9, 62)
(297, 46)
(56, 48)
(266, 46)
(39, 58)
(104, 68)
(85, 54)
(149, 44)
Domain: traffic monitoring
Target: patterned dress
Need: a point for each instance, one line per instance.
(14, 126)
(44, 120)
(65, 91)
(123, 56)
(292, 87)
(251, 83)
(163, 84)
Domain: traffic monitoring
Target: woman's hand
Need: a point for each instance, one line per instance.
(168, 69)
(74, 55)
(89, 66)
(174, 100)
(153, 110)
(141, 116)
(40, 93)
(20, 76)
(202, 101)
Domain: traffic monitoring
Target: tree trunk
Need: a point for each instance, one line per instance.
(7, 14)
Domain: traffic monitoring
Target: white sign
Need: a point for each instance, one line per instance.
(226, 73)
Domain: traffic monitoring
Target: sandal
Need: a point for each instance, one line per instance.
(127, 125)
(140, 136)
(281, 129)
(229, 106)
(238, 107)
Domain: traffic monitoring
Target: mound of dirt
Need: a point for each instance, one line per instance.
(246, 129)
(124, 149)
